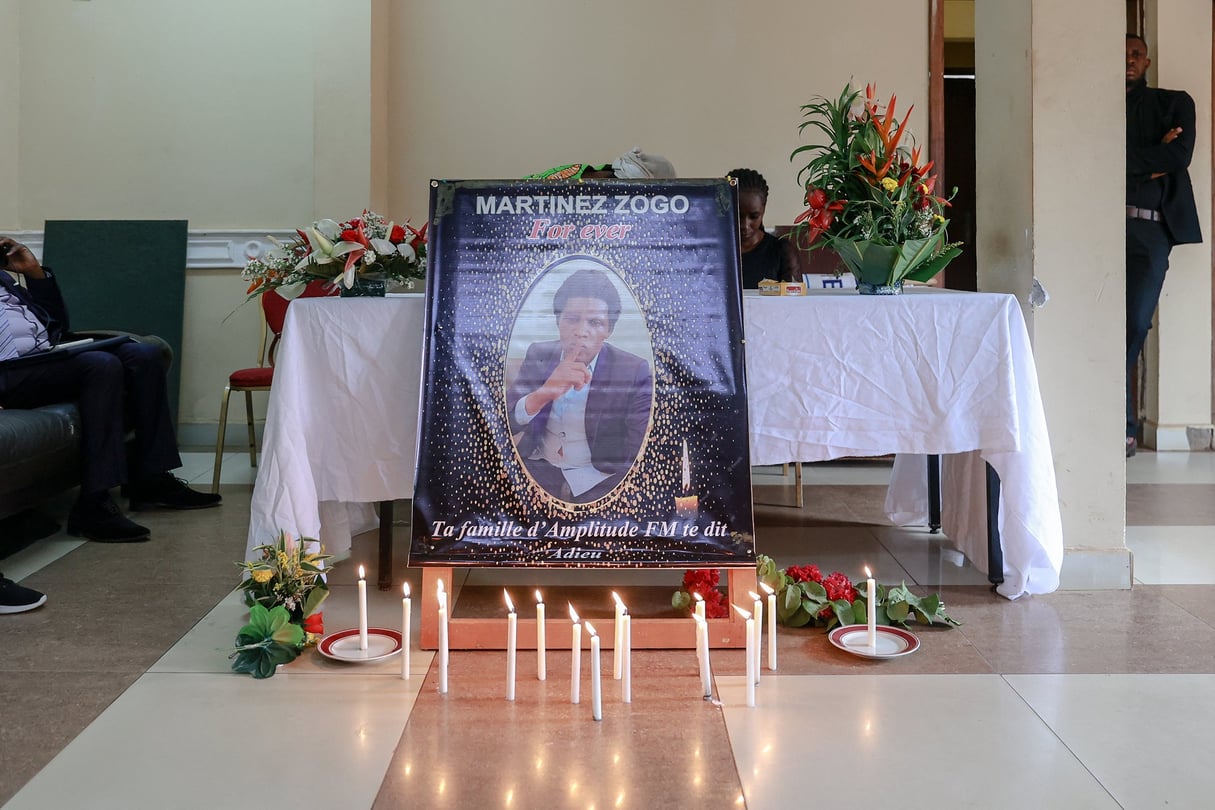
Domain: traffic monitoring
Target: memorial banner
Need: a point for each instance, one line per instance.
(584, 401)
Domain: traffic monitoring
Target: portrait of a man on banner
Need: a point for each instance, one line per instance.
(580, 405)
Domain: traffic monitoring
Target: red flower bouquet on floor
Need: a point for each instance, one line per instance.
(703, 582)
(804, 596)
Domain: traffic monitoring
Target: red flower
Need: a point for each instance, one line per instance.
(701, 581)
(420, 237)
(314, 623)
(817, 198)
(839, 586)
(397, 234)
(716, 606)
(804, 573)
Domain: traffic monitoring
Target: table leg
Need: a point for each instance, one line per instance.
(385, 573)
(995, 553)
(934, 494)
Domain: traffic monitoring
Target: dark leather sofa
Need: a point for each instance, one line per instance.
(40, 448)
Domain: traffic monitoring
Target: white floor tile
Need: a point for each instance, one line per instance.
(212, 741)
(901, 741)
(1171, 468)
(1173, 555)
(1147, 738)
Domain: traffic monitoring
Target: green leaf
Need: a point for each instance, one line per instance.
(269, 639)
(842, 609)
(898, 611)
(682, 600)
(315, 597)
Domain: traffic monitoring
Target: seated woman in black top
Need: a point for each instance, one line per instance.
(763, 255)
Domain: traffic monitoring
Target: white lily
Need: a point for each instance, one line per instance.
(383, 247)
(407, 251)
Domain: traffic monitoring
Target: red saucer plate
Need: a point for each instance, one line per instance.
(892, 642)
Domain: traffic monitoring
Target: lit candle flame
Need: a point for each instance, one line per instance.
(868, 573)
(697, 597)
(510, 606)
(539, 598)
(405, 590)
(361, 574)
(754, 596)
(440, 587)
(617, 599)
(590, 628)
(767, 588)
(742, 612)
(574, 615)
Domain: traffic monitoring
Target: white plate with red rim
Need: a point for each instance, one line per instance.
(344, 645)
(892, 642)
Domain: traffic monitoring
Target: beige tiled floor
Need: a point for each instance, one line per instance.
(118, 693)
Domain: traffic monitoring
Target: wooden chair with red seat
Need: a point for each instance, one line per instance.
(261, 376)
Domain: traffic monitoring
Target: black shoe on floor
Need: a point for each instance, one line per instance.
(102, 521)
(168, 492)
(16, 598)
(1132, 446)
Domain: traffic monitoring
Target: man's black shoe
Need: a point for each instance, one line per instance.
(103, 522)
(168, 492)
(1131, 446)
(16, 598)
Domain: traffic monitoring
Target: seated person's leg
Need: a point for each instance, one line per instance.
(155, 450)
(94, 381)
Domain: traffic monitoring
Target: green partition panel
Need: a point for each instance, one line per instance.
(123, 274)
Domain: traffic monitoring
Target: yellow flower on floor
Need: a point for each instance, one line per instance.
(262, 575)
(889, 183)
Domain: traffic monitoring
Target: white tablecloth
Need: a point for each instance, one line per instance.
(342, 418)
(831, 374)
(838, 374)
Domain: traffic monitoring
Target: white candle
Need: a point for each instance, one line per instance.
(617, 637)
(771, 625)
(596, 694)
(512, 637)
(871, 608)
(576, 661)
(541, 654)
(362, 610)
(699, 605)
(706, 672)
(751, 645)
(406, 610)
(442, 596)
(757, 612)
(626, 664)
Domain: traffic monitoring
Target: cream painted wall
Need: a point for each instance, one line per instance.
(490, 90)
(10, 102)
(1178, 356)
(229, 114)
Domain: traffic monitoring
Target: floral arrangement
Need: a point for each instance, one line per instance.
(703, 582)
(367, 246)
(805, 597)
(284, 587)
(867, 195)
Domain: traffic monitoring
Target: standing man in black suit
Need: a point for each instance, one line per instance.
(108, 386)
(1160, 210)
(582, 405)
